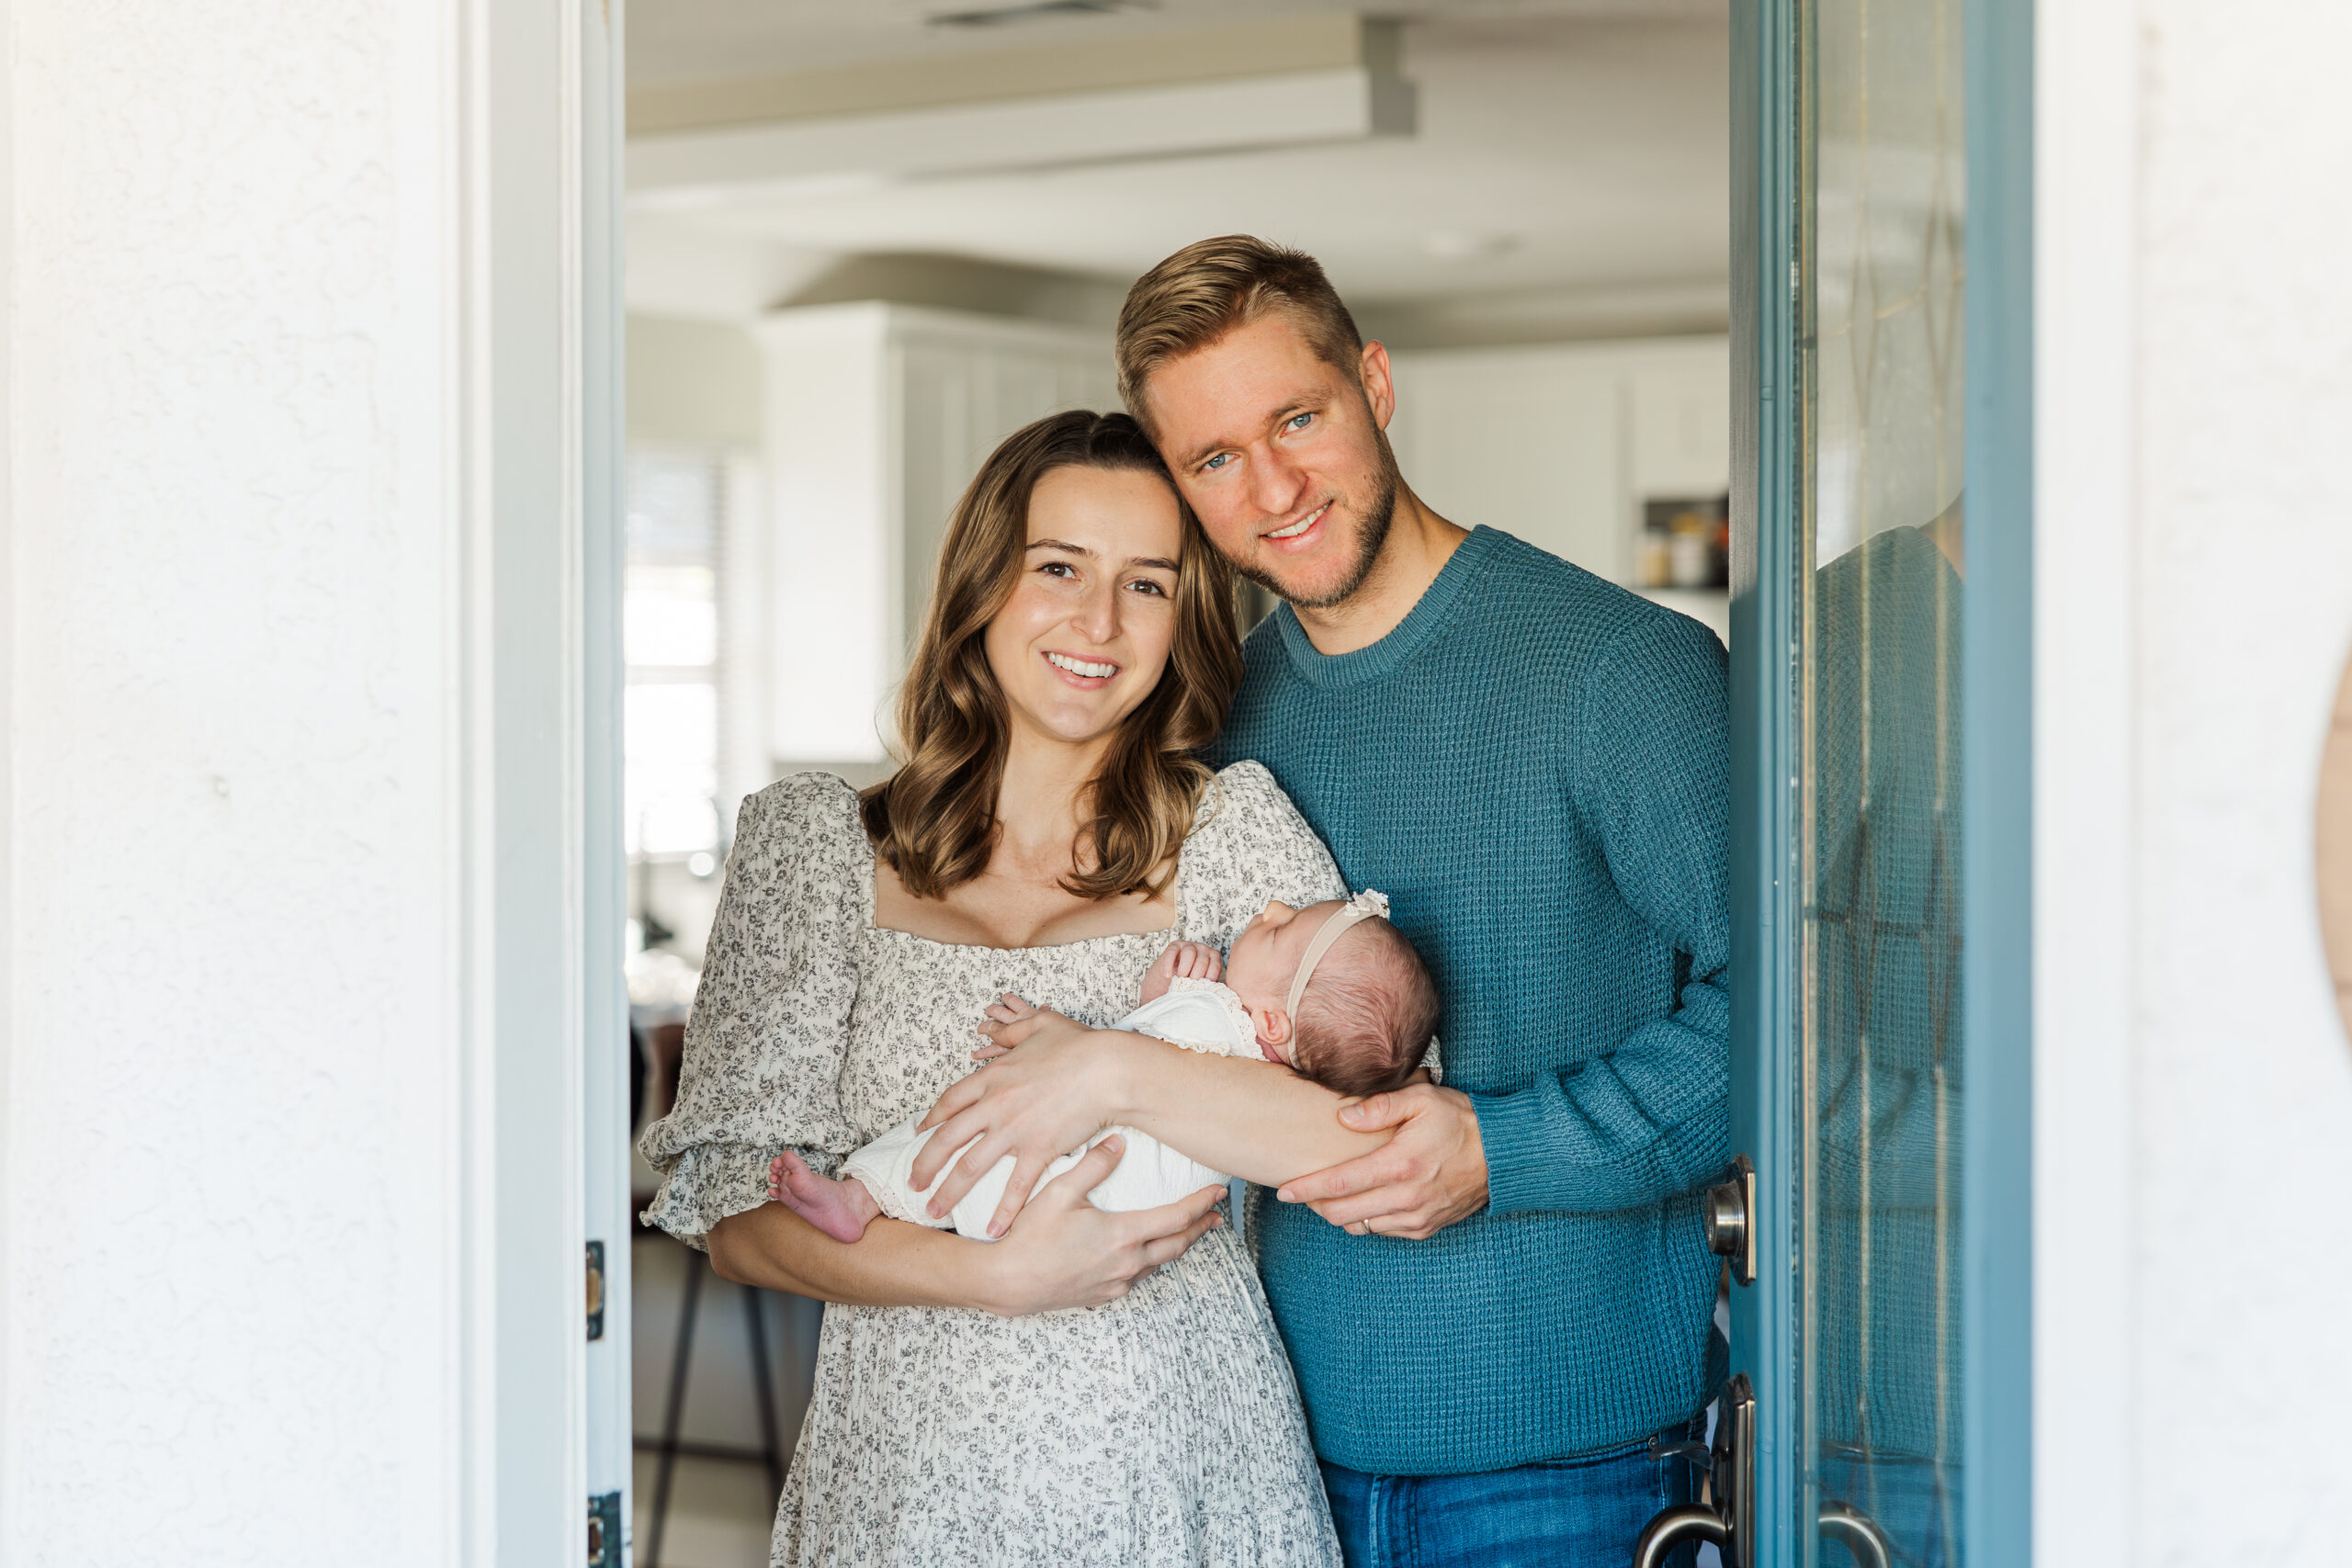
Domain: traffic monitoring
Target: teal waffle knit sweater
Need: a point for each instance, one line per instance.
(1533, 767)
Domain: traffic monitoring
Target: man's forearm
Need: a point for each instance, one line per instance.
(1254, 1119)
(895, 1263)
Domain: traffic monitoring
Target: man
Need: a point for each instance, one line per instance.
(1492, 1314)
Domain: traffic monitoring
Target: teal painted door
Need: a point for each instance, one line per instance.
(1866, 726)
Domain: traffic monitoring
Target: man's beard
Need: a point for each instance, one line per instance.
(1370, 533)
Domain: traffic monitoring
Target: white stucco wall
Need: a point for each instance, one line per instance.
(250, 1287)
(2196, 521)
(228, 1112)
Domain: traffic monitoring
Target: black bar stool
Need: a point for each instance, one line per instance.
(770, 1452)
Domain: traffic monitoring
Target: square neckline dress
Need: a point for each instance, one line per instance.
(1160, 1428)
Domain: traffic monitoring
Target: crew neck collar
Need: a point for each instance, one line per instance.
(1456, 583)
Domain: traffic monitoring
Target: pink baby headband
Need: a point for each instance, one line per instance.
(1367, 905)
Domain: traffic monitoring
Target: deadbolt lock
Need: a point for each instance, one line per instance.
(1729, 1214)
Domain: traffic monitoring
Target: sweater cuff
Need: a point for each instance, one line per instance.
(1512, 1130)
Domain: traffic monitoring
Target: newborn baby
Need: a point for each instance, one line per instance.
(1333, 991)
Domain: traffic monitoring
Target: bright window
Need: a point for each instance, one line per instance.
(669, 638)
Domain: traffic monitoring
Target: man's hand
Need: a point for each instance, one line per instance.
(1432, 1173)
(1188, 960)
(1036, 1104)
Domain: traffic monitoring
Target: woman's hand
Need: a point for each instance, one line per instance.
(1064, 1252)
(1036, 1103)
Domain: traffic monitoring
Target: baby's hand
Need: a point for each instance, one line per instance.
(1193, 961)
(1187, 960)
(1006, 1009)
(1009, 1008)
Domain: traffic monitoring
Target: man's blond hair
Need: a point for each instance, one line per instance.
(1207, 290)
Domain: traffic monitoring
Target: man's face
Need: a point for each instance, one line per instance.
(1280, 455)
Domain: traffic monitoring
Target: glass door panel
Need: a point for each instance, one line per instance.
(1880, 575)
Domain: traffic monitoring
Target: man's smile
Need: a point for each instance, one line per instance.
(1299, 528)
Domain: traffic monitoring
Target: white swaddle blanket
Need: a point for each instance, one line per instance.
(1199, 1015)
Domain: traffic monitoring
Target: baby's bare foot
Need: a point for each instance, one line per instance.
(841, 1209)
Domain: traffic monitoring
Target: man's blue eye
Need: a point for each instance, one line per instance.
(1300, 421)
(1218, 462)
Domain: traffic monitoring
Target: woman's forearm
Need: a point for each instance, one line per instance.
(1255, 1120)
(894, 1264)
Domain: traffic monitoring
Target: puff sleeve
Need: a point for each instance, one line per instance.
(770, 1024)
(1249, 846)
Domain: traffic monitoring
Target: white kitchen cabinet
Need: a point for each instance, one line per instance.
(1679, 426)
(1525, 440)
(1562, 445)
(877, 417)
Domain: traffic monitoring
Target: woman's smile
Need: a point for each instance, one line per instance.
(1086, 674)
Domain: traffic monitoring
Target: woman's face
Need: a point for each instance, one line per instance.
(1085, 635)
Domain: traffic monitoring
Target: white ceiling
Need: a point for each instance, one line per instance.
(673, 41)
(1562, 149)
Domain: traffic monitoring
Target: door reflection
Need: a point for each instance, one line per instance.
(1881, 585)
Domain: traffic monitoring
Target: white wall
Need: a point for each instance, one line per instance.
(288, 450)
(693, 383)
(2195, 562)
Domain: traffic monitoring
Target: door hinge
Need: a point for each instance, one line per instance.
(604, 1531)
(595, 1290)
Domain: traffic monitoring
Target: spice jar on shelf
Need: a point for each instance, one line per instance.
(1690, 554)
(1653, 558)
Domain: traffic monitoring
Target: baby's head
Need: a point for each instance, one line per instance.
(1364, 1020)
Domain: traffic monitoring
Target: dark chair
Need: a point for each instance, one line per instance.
(654, 1065)
(770, 1452)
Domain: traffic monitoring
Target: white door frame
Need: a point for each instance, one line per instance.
(605, 1109)
(541, 401)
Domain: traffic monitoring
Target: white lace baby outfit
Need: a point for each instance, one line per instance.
(1162, 1428)
(1200, 1015)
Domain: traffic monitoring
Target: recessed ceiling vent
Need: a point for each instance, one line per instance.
(1035, 11)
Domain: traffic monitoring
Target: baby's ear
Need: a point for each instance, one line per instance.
(1273, 1026)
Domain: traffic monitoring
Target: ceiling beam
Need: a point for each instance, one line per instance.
(1255, 85)
(1272, 47)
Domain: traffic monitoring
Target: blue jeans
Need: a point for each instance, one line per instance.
(1563, 1513)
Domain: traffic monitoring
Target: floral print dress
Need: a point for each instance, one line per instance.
(1162, 1428)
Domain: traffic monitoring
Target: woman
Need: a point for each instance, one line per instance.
(1048, 833)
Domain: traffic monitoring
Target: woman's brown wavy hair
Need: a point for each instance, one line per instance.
(933, 821)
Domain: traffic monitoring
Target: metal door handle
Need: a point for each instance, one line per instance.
(1728, 1517)
(1858, 1533)
(1687, 1521)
